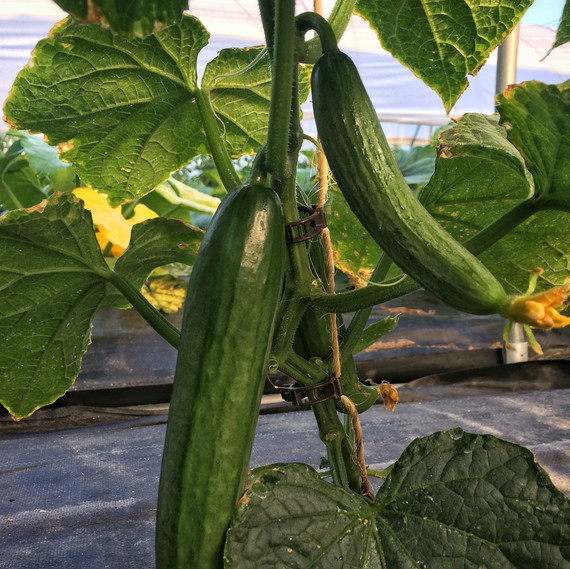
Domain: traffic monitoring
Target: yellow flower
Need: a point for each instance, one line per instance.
(112, 227)
(540, 310)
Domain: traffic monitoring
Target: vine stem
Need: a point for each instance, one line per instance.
(152, 316)
(216, 144)
(282, 81)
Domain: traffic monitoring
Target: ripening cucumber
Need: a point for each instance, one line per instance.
(368, 176)
(226, 332)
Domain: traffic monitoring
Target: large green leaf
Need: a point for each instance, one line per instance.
(123, 110)
(479, 175)
(443, 42)
(453, 499)
(52, 280)
(537, 118)
(236, 80)
(140, 18)
(156, 242)
(484, 169)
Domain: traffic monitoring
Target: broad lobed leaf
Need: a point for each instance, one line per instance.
(453, 499)
(455, 37)
(122, 109)
(54, 280)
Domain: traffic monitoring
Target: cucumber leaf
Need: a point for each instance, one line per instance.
(238, 84)
(140, 18)
(455, 37)
(479, 175)
(178, 200)
(518, 166)
(238, 77)
(157, 242)
(19, 183)
(123, 110)
(52, 277)
(54, 280)
(374, 332)
(452, 496)
(563, 33)
(537, 119)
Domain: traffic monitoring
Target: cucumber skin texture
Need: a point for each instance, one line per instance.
(226, 333)
(368, 176)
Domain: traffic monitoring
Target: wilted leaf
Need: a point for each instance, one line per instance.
(443, 42)
(453, 499)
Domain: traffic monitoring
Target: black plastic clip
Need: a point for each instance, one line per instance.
(312, 225)
(305, 396)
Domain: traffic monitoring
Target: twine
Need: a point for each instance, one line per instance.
(322, 172)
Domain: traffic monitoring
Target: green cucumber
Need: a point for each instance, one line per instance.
(368, 176)
(226, 333)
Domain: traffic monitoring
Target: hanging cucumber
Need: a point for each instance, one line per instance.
(226, 333)
(368, 176)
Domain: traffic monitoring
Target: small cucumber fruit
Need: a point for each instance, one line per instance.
(368, 176)
(226, 333)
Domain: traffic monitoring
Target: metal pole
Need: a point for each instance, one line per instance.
(507, 61)
(507, 75)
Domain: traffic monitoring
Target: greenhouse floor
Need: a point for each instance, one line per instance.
(86, 497)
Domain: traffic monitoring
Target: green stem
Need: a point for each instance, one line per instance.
(153, 317)
(363, 297)
(303, 371)
(490, 234)
(267, 13)
(216, 143)
(331, 432)
(558, 201)
(282, 80)
(312, 21)
(338, 21)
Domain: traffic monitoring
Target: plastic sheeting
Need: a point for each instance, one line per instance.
(86, 497)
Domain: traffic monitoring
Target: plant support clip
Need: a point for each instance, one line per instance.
(307, 395)
(311, 225)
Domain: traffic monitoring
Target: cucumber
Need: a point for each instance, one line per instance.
(226, 333)
(368, 176)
